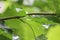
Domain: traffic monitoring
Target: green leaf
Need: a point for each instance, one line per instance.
(54, 33)
(37, 27)
(21, 29)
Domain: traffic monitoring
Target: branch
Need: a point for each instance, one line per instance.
(10, 18)
(42, 13)
(6, 18)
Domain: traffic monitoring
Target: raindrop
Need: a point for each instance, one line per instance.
(15, 37)
(46, 26)
(18, 9)
(26, 12)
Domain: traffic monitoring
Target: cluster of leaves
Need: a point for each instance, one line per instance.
(30, 27)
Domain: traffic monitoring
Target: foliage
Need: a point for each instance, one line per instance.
(30, 27)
